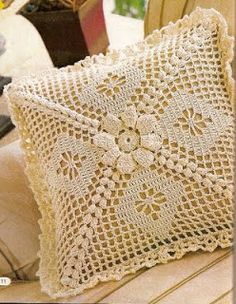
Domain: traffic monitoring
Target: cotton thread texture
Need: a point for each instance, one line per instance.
(130, 155)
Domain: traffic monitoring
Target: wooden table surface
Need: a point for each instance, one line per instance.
(198, 278)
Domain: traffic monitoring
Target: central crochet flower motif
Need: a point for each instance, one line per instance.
(128, 140)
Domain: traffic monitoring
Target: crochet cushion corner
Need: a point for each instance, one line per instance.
(130, 155)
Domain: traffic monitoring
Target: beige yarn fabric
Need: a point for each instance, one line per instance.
(130, 155)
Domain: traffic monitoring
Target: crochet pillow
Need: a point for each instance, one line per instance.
(130, 155)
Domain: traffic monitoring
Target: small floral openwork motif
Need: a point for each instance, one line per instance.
(193, 122)
(111, 85)
(150, 202)
(128, 140)
(70, 164)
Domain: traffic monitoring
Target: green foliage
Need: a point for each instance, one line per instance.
(131, 8)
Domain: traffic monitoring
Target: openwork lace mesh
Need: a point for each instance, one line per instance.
(130, 155)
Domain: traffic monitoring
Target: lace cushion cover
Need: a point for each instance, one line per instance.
(130, 155)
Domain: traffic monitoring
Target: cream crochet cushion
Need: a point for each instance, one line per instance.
(130, 155)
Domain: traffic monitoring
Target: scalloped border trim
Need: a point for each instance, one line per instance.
(49, 277)
(222, 240)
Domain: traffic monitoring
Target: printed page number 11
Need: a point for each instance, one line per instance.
(5, 281)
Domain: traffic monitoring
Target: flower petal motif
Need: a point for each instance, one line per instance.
(110, 157)
(112, 124)
(70, 164)
(151, 142)
(129, 117)
(193, 122)
(143, 157)
(146, 124)
(149, 202)
(105, 141)
(126, 163)
(111, 85)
